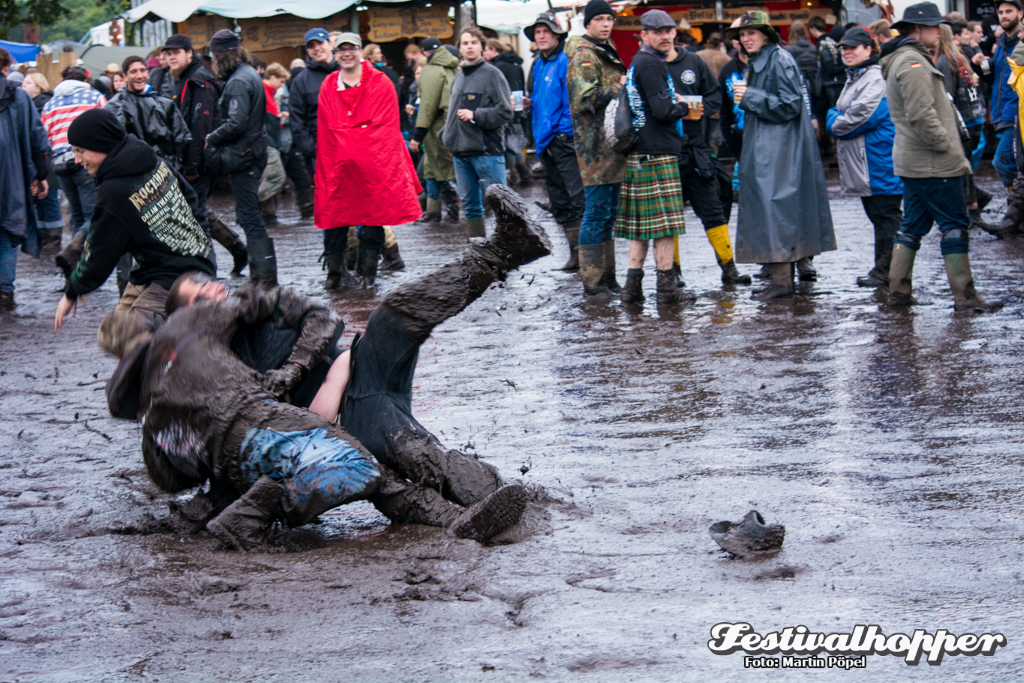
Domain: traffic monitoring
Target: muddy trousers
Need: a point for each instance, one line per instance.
(141, 309)
(321, 467)
(377, 409)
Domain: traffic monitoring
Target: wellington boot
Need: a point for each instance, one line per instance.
(268, 211)
(484, 520)
(983, 198)
(633, 290)
(368, 266)
(765, 273)
(901, 276)
(609, 280)
(592, 269)
(572, 236)
(433, 211)
(243, 524)
(732, 276)
(524, 175)
(874, 279)
(68, 258)
(49, 237)
(1010, 225)
(781, 284)
(976, 221)
(392, 260)
(230, 241)
(668, 292)
(337, 271)
(191, 516)
(805, 269)
(517, 240)
(262, 262)
(475, 226)
(677, 274)
(958, 270)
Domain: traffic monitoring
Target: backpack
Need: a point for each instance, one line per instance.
(619, 128)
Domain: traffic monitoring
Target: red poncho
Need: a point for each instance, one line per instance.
(364, 175)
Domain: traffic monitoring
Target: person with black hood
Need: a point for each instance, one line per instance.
(304, 91)
(238, 147)
(929, 159)
(145, 208)
(552, 130)
(511, 66)
(698, 171)
(196, 92)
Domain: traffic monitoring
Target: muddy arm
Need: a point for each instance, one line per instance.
(319, 327)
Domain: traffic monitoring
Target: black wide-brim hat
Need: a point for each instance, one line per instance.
(922, 14)
(756, 19)
(548, 19)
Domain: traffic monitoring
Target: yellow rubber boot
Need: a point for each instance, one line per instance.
(720, 242)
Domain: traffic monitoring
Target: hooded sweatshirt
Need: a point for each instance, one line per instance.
(146, 209)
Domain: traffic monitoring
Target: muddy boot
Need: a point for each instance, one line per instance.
(901, 275)
(432, 214)
(781, 284)
(592, 269)
(262, 262)
(677, 275)
(572, 236)
(392, 260)
(68, 258)
(874, 278)
(976, 221)
(544, 205)
(230, 241)
(7, 301)
(475, 227)
(633, 290)
(268, 211)
(668, 292)
(722, 244)
(958, 270)
(983, 198)
(484, 520)
(516, 238)
(337, 274)
(610, 280)
(749, 537)
(192, 515)
(1009, 226)
(765, 273)
(524, 175)
(49, 237)
(243, 524)
(805, 269)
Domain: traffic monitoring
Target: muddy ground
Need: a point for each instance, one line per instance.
(888, 442)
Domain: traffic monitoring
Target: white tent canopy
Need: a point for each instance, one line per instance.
(502, 16)
(180, 10)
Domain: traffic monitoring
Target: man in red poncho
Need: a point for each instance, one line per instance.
(364, 175)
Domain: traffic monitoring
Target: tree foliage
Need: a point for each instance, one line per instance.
(68, 19)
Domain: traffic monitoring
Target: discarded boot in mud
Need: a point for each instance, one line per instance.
(68, 258)
(484, 520)
(749, 537)
(243, 524)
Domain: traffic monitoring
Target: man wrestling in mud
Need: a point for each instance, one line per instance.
(206, 414)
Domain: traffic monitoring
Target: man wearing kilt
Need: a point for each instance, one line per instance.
(651, 205)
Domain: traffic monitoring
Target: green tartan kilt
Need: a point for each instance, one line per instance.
(651, 203)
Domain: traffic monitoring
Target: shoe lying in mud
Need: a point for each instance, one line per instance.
(484, 520)
(750, 537)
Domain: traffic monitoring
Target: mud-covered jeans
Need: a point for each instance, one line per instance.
(140, 306)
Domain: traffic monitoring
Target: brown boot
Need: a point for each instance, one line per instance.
(68, 258)
(230, 241)
(243, 524)
(484, 520)
(572, 236)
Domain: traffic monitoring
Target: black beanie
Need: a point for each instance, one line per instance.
(96, 130)
(596, 8)
(224, 40)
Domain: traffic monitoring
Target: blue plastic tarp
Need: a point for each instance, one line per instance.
(20, 52)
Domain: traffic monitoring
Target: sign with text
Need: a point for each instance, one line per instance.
(708, 15)
(396, 23)
(287, 30)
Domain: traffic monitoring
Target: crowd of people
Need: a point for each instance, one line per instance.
(622, 148)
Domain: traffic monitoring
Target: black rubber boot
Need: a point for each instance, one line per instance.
(262, 262)
(965, 296)
(268, 211)
(432, 214)
(450, 200)
(781, 285)
(68, 258)
(572, 236)
(368, 265)
(593, 270)
(392, 259)
(765, 273)
(983, 198)
(335, 258)
(484, 520)
(524, 175)
(610, 280)
(243, 524)
(633, 290)
(677, 274)
(805, 268)
(731, 274)
(230, 241)
(874, 278)
(668, 292)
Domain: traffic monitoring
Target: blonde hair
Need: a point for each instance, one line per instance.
(39, 79)
(881, 29)
(275, 69)
(368, 50)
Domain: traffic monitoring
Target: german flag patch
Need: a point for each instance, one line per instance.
(586, 63)
(915, 64)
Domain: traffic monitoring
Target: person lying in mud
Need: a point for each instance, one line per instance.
(206, 414)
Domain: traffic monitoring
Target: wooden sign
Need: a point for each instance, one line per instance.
(287, 30)
(201, 27)
(707, 15)
(396, 23)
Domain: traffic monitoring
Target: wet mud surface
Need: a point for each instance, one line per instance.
(888, 442)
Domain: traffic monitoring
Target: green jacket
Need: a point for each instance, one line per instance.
(435, 90)
(593, 81)
(927, 143)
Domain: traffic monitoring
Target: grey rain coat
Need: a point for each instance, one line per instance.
(783, 208)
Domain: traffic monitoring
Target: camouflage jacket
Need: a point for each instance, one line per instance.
(593, 81)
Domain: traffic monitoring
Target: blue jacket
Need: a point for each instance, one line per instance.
(549, 102)
(860, 120)
(1004, 98)
(24, 159)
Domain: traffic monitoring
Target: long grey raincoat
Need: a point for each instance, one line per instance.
(783, 208)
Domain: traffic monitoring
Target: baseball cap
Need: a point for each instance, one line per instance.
(350, 38)
(178, 41)
(320, 34)
(654, 19)
(856, 36)
(430, 43)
